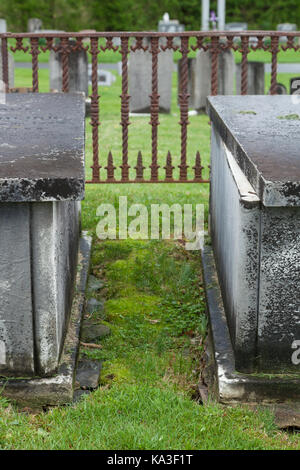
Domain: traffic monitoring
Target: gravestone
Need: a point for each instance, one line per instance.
(202, 76)
(256, 78)
(295, 86)
(286, 27)
(41, 184)
(236, 27)
(87, 32)
(105, 77)
(254, 226)
(3, 27)
(140, 80)
(170, 26)
(240, 27)
(78, 72)
(280, 89)
(34, 25)
(116, 42)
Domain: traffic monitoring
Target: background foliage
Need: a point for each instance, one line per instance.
(74, 15)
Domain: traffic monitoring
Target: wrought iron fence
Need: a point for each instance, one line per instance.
(98, 43)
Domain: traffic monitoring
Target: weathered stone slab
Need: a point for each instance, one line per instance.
(94, 284)
(94, 305)
(92, 332)
(40, 158)
(88, 374)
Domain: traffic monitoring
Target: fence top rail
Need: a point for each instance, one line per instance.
(137, 34)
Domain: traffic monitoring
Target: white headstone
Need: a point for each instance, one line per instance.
(33, 25)
(236, 27)
(105, 77)
(171, 26)
(116, 42)
(3, 28)
(287, 27)
(78, 70)
(166, 17)
(140, 80)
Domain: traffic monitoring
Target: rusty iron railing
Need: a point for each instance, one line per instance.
(213, 41)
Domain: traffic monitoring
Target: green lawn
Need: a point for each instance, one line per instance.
(154, 305)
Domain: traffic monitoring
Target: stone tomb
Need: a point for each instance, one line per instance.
(41, 185)
(254, 226)
(140, 80)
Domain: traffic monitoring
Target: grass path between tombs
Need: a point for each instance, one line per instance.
(154, 305)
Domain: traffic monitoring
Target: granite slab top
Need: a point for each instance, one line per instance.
(42, 147)
(263, 134)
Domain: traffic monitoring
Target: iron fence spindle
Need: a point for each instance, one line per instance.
(124, 109)
(95, 110)
(184, 107)
(154, 122)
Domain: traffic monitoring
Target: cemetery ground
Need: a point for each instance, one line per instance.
(154, 306)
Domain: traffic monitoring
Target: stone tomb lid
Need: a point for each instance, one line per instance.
(42, 147)
(263, 134)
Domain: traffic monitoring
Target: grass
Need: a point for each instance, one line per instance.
(154, 305)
